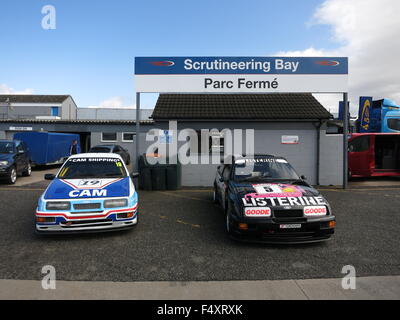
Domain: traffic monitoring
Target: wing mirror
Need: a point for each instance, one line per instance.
(49, 176)
(134, 175)
(303, 177)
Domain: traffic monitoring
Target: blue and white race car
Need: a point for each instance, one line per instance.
(91, 192)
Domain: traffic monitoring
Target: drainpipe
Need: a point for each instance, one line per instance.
(318, 126)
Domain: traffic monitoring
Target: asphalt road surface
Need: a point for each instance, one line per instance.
(181, 237)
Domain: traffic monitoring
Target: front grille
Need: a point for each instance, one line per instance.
(87, 206)
(295, 213)
(87, 212)
(86, 223)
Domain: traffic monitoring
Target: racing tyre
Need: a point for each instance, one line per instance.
(12, 177)
(228, 220)
(28, 171)
(215, 195)
(349, 175)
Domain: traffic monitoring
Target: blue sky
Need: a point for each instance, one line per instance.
(90, 53)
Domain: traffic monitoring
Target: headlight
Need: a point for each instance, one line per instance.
(115, 203)
(58, 205)
(3, 163)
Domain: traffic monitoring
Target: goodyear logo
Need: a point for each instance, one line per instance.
(365, 115)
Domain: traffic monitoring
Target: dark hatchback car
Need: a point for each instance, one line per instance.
(14, 160)
(265, 200)
(112, 148)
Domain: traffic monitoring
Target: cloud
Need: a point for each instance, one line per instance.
(367, 32)
(113, 103)
(5, 89)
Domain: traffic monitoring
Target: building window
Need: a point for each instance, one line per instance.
(108, 136)
(127, 136)
(54, 111)
(214, 143)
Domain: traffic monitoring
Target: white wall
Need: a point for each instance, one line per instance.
(267, 138)
(68, 109)
(331, 159)
(112, 114)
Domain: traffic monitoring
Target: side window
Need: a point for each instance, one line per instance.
(19, 147)
(394, 124)
(359, 144)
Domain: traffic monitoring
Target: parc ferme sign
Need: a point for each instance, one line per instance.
(241, 74)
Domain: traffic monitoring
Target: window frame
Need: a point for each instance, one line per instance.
(103, 140)
(125, 140)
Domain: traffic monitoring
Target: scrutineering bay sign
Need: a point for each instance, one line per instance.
(241, 74)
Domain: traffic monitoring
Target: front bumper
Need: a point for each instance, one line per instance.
(269, 231)
(72, 223)
(5, 172)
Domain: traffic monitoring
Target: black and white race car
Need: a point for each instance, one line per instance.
(265, 200)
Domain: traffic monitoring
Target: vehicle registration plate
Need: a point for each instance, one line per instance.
(290, 226)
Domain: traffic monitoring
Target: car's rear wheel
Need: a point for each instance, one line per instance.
(12, 177)
(28, 171)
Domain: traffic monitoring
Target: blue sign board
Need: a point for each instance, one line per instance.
(341, 104)
(240, 65)
(166, 137)
(241, 74)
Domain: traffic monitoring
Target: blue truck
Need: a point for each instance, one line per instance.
(375, 149)
(48, 147)
(378, 116)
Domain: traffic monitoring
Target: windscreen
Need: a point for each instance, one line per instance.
(81, 168)
(6, 147)
(100, 150)
(263, 169)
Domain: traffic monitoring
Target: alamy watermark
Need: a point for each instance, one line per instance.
(203, 146)
(349, 280)
(49, 279)
(49, 18)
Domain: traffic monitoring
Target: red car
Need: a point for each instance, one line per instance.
(374, 154)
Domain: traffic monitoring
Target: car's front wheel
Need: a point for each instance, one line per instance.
(12, 176)
(228, 219)
(28, 171)
(215, 200)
